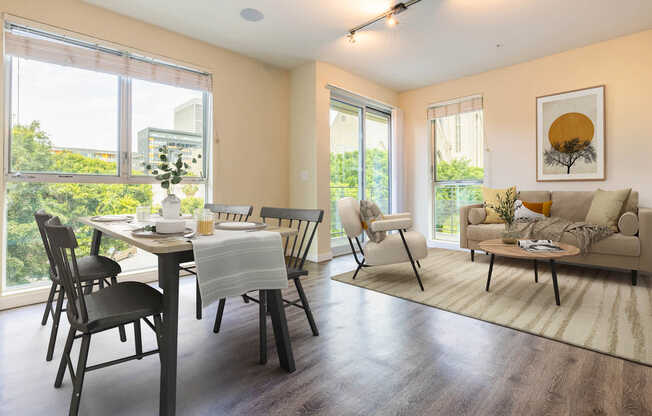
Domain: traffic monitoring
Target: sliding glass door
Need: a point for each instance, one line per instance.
(359, 160)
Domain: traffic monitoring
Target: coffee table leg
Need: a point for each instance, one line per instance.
(554, 281)
(536, 272)
(491, 268)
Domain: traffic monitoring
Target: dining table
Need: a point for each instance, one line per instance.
(171, 252)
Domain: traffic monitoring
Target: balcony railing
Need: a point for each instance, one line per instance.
(448, 200)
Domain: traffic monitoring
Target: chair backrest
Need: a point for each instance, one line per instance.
(41, 218)
(62, 245)
(349, 210)
(305, 221)
(231, 212)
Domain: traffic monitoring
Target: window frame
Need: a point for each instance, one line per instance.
(124, 142)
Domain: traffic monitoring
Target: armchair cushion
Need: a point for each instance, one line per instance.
(391, 224)
(370, 213)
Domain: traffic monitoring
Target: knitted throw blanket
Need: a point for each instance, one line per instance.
(553, 228)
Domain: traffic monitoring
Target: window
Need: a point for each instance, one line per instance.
(360, 159)
(83, 121)
(458, 171)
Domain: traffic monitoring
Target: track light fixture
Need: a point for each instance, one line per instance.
(390, 15)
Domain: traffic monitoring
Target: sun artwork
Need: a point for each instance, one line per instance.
(568, 127)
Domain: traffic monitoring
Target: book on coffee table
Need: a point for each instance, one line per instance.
(539, 246)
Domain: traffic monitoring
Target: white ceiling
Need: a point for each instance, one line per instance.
(436, 40)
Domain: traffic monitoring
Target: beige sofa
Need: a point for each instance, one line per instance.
(618, 251)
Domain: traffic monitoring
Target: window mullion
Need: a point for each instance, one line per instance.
(124, 122)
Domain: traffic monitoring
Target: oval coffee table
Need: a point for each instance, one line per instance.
(497, 247)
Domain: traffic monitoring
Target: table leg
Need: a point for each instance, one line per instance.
(491, 268)
(554, 281)
(168, 277)
(281, 334)
(536, 272)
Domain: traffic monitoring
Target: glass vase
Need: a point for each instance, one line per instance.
(510, 235)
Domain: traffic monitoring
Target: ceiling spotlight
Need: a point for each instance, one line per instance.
(390, 15)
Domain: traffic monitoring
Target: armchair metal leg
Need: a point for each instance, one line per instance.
(306, 307)
(198, 303)
(414, 267)
(55, 325)
(218, 316)
(48, 304)
(357, 270)
(418, 264)
(262, 323)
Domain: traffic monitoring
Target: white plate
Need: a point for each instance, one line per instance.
(112, 218)
(242, 226)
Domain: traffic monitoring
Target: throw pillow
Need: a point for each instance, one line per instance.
(489, 196)
(369, 212)
(477, 215)
(605, 207)
(628, 224)
(531, 210)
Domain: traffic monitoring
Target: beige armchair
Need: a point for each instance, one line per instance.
(402, 246)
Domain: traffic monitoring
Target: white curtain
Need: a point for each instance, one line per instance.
(398, 167)
(118, 63)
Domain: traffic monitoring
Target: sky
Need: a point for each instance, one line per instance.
(79, 108)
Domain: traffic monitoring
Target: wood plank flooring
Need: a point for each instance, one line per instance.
(375, 355)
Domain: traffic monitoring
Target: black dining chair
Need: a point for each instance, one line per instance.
(93, 270)
(236, 213)
(119, 304)
(295, 249)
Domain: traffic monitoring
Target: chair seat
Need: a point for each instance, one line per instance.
(119, 304)
(97, 267)
(391, 250)
(293, 273)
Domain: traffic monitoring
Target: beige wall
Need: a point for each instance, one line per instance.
(250, 98)
(623, 65)
(310, 136)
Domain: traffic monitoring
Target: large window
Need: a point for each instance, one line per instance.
(360, 159)
(80, 131)
(458, 171)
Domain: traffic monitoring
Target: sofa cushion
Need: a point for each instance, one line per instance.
(534, 196)
(631, 204)
(483, 232)
(490, 198)
(571, 205)
(616, 244)
(477, 215)
(628, 224)
(606, 207)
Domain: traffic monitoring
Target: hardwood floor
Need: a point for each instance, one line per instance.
(375, 355)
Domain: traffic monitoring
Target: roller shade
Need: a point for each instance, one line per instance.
(58, 51)
(463, 105)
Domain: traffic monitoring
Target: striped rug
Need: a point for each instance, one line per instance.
(600, 310)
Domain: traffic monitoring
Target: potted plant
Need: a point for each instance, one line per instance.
(170, 172)
(506, 211)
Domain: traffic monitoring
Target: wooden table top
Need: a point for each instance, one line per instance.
(121, 230)
(513, 250)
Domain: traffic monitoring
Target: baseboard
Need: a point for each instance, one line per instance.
(449, 245)
(40, 294)
(320, 257)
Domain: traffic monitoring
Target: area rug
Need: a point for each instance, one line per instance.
(600, 310)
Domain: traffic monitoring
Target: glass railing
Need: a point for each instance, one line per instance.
(337, 193)
(448, 200)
